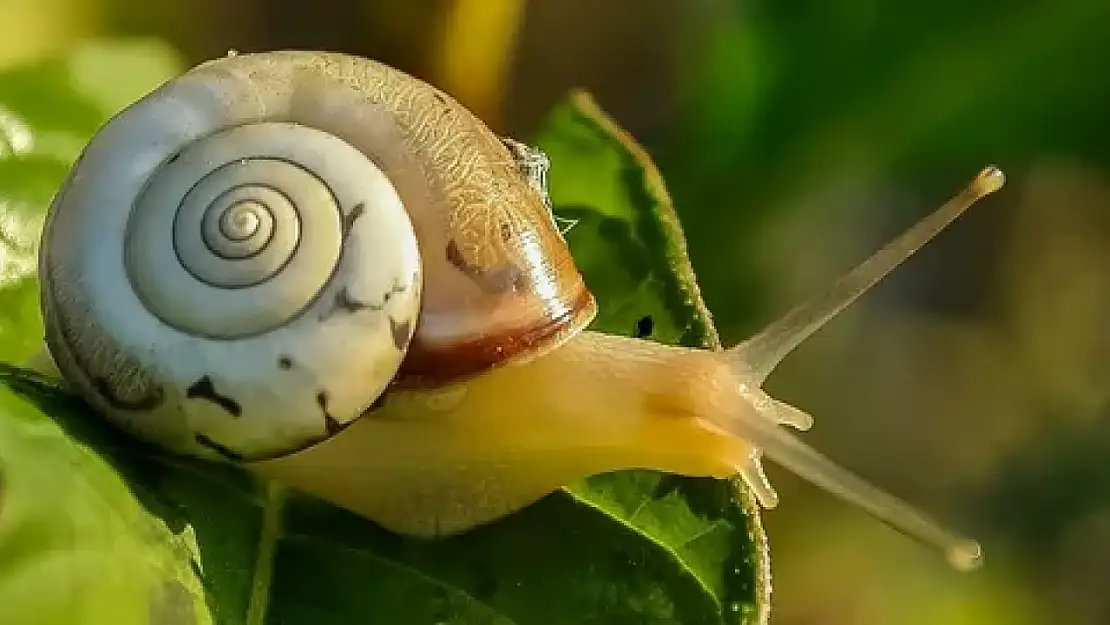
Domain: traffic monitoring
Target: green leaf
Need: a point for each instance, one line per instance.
(78, 543)
(98, 528)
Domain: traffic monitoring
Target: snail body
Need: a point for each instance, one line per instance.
(327, 271)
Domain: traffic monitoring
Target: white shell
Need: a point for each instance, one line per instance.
(224, 281)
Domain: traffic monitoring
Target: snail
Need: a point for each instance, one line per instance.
(330, 272)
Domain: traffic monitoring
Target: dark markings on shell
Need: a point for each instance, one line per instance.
(204, 441)
(205, 389)
(644, 327)
(346, 303)
(505, 279)
(350, 218)
(331, 424)
(506, 232)
(402, 332)
(173, 158)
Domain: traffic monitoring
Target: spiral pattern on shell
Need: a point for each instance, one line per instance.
(242, 209)
(226, 275)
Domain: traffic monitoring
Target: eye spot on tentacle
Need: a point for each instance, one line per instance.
(331, 424)
(349, 219)
(205, 389)
(644, 327)
(401, 333)
(204, 441)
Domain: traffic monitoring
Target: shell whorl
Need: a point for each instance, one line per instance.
(224, 277)
(240, 221)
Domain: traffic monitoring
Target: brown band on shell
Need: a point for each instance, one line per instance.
(427, 366)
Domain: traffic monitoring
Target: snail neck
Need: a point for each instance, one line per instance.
(436, 462)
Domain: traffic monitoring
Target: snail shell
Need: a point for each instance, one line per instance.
(244, 260)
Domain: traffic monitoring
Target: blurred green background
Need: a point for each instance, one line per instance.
(796, 137)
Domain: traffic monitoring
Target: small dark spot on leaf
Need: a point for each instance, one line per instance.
(400, 333)
(644, 327)
(205, 389)
(285, 362)
(204, 441)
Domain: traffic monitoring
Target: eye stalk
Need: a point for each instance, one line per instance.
(763, 352)
(755, 359)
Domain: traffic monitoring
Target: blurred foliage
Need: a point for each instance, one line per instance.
(795, 138)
